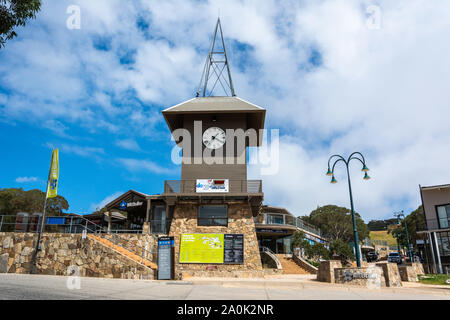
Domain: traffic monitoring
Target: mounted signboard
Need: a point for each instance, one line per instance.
(212, 248)
(233, 249)
(211, 185)
(165, 258)
(201, 248)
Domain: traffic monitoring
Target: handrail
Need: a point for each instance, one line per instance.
(291, 220)
(88, 226)
(234, 186)
(272, 255)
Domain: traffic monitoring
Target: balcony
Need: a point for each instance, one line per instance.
(235, 187)
(288, 220)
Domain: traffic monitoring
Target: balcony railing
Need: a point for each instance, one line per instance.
(188, 187)
(285, 219)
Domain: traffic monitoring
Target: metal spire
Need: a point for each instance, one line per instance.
(216, 62)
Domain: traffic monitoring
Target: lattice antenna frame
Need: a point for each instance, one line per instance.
(215, 64)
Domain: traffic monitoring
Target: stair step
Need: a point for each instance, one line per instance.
(290, 267)
(125, 252)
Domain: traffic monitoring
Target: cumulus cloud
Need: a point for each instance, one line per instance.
(104, 202)
(26, 179)
(137, 165)
(128, 144)
(329, 83)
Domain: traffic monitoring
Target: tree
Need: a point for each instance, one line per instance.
(342, 249)
(16, 200)
(317, 251)
(336, 223)
(298, 239)
(14, 13)
(415, 221)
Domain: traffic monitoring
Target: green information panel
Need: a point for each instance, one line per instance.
(201, 248)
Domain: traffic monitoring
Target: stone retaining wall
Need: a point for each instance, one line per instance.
(408, 273)
(370, 277)
(326, 270)
(59, 251)
(136, 243)
(304, 264)
(391, 274)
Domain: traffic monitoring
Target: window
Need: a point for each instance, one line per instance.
(443, 213)
(444, 243)
(213, 216)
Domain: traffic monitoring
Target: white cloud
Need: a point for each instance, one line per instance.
(104, 202)
(26, 179)
(128, 144)
(379, 91)
(136, 165)
(83, 151)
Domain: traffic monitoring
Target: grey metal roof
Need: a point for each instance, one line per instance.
(214, 104)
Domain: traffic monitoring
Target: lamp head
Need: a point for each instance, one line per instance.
(366, 176)
(329, 173)
(333, 180)
(364, 169)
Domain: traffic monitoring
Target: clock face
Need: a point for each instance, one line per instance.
(214, 138)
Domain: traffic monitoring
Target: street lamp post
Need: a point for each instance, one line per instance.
(398, 215)
(330, 172)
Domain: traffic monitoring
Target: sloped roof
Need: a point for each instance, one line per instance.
(214, 104)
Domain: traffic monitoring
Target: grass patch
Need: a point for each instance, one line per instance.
(383, 235)
(435, 279)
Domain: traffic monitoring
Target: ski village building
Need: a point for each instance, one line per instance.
(214, 216)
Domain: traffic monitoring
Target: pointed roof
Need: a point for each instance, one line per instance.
(215, 105)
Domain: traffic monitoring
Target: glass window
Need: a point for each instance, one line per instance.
(443, 216)
(444, 243)
(213, 216)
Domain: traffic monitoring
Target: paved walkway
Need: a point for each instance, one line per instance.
(297, 287)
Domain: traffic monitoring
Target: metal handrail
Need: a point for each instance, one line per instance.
(271, 254)
(293, 221)
(189, 186)
(85, 225)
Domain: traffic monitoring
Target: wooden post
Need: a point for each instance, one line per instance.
(146, 229)
(109, 215)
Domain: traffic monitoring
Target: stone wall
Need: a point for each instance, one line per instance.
(326, 270)
(304, 264)
(240, 221)
(136, 243)
(59, 251)
(391, 274)
(409, 273)
(370, 277)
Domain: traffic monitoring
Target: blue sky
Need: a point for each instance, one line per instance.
(331, 83)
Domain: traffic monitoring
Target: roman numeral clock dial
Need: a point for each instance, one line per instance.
(214, 138)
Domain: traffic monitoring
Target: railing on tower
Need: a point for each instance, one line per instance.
(235, 186)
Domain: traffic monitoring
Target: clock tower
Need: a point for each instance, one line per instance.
(213, 195)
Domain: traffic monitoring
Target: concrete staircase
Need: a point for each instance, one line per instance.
(133, 256)
(289, 266)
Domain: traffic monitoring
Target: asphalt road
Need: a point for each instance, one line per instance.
(30, 287)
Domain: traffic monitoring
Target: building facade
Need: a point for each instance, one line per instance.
(214, 213)
(436, 236)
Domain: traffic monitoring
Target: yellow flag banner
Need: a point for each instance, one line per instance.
(52, 185)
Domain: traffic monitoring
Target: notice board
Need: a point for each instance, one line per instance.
(202, 248)
(233, 249)
(165, 258)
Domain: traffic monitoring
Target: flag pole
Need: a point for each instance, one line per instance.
(33, 268)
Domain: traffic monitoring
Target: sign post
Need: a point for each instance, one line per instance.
(166, 255)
